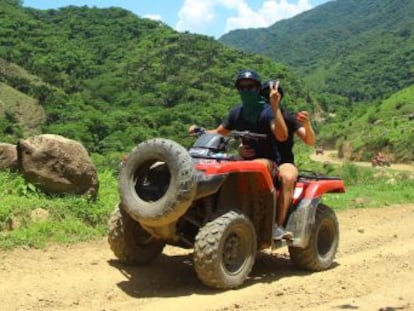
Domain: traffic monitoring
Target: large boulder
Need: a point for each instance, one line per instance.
(8, 156)
(57, 164)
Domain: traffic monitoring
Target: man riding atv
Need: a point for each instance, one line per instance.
(256, 116)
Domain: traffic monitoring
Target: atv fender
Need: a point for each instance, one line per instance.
(303, 217)
(301, 220)
(208, 184)
(317, 189)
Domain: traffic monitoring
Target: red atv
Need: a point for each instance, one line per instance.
(380, 161)
(220, 206)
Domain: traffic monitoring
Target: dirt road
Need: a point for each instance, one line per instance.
(331, 157)
(374, 270)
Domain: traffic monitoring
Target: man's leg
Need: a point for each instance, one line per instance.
(288, 174)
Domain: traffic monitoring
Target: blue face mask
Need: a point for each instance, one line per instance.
(252, 105)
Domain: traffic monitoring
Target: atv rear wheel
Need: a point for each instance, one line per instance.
(157, 182)
(130, 242)
(225, 250)
(323, 242)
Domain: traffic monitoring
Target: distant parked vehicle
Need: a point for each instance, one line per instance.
(380, 160)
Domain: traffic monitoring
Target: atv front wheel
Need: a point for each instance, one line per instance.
(130, 242)
(225, 250)
(323, 243)
(157, 182)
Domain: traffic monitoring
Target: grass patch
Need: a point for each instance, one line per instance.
(75, 218)
(372, 187)
(70, 218)
(370, 196)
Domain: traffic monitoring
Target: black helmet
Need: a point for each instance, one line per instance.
(265, 90)
(248, 74)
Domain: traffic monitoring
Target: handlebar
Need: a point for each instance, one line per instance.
(198, 131)
(215, 146)
(247, 135)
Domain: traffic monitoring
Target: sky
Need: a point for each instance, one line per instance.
(208, 17)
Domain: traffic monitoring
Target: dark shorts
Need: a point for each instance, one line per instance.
(274, 169)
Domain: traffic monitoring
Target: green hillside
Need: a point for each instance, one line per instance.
(20, 113)
(112, 79)
(387, 126)
(360, 49)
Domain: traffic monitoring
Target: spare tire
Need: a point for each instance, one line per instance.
(157, 182)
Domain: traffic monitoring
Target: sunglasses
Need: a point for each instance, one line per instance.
(247, 86)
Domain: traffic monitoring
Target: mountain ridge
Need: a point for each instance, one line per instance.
(343, 38)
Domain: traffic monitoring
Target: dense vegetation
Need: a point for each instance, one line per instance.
(111, 79)
(360, 49)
